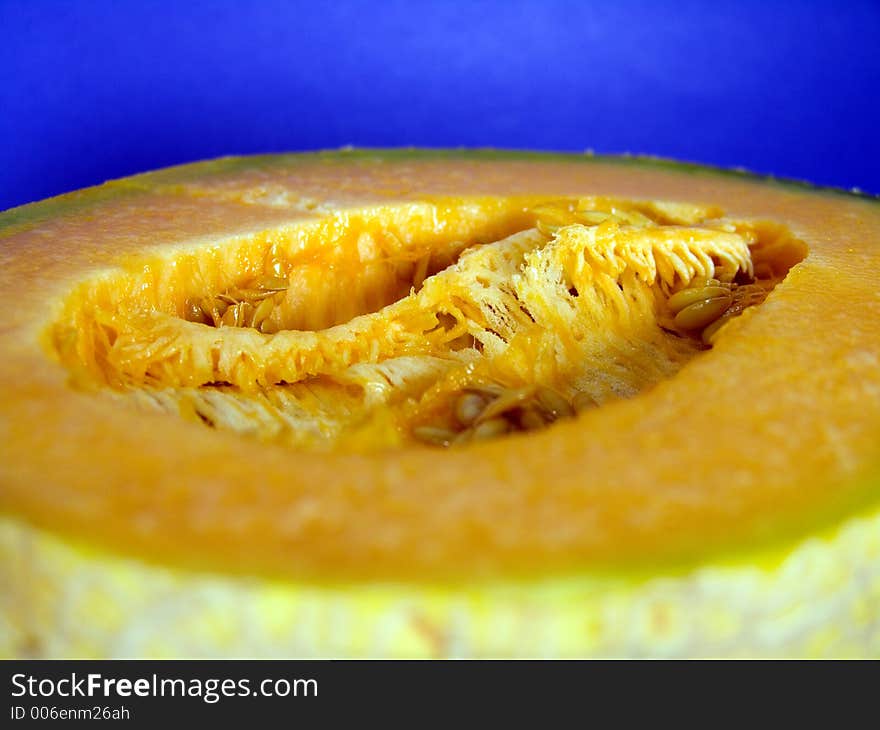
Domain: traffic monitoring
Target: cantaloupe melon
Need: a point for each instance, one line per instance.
(412, 403)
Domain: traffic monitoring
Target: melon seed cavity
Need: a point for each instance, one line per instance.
(437, 324)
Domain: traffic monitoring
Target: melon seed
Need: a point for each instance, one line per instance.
(489, 429)
(434, 435)
(546, 229)
(245, 316)
(214, 308)
(709, 332)
(702, 313)
(593, 217)
(468, 408)
(554, 403)
(268, 327)
(507, 401)
(228, 317)
(255, 295)
(686, 297)
(490, 390)
(194, 313)
(262, 312)
(228, 298)
(531, 419)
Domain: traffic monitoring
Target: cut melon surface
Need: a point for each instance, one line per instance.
(235, 389)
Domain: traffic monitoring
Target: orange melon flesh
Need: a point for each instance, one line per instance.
(771, 435)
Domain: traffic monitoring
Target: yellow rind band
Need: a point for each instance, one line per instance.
(822, 599)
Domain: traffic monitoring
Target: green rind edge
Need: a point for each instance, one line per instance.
(30, 214)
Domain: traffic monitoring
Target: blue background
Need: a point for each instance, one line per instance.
(96, 90)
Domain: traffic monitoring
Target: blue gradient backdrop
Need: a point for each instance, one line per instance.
(96, 90)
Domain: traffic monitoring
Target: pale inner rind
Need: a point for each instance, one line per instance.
(816, 599)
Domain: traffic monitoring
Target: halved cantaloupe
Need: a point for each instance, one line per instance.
(441, 404)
